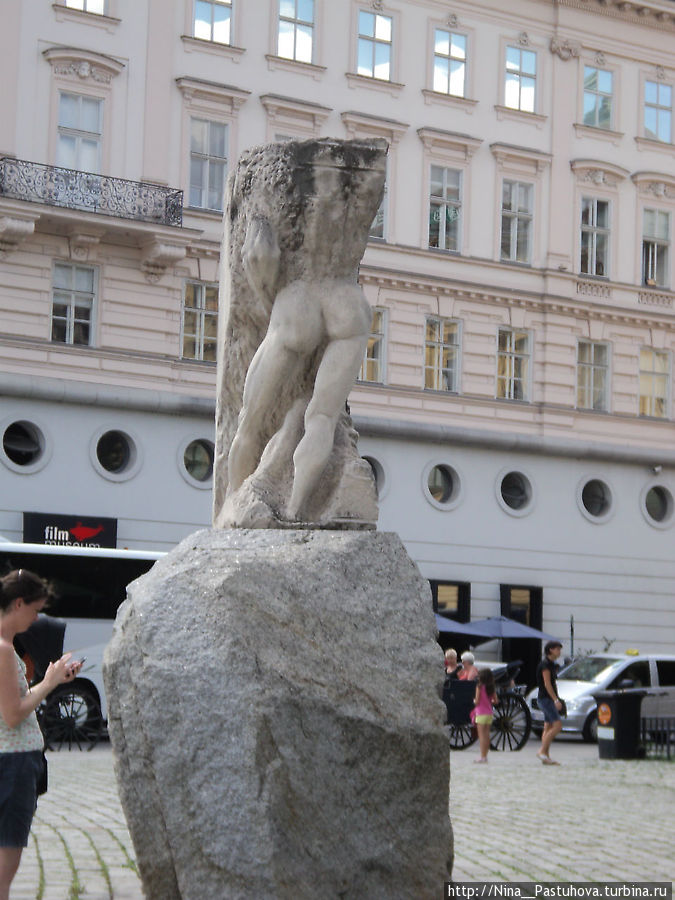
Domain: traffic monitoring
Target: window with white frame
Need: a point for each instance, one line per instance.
(598, 97)
(208, 163)
(517, 207)
(655, 248)
(449, 62)
(513, 364)
(441, 354)
(91, 6)
(79, 133)
(594, 236)
(213, 21)
(592, 375)
(73, 297)
(200, 321)
(520, 82)
(378, 225)
(654, 382)
(296, 30)
(658, 111)
(445, 207)
(372, 367)
(374, 53)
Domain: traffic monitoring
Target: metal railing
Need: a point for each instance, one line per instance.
(657, 735)
(56, 186)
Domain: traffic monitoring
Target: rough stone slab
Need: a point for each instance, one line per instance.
(276, 720)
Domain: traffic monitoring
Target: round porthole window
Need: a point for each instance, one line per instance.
(657, 505)
(23, 443)
(115, 454)
(113, 451)
(442, 485)
(198, 459)
(595, 499)
(515, 490)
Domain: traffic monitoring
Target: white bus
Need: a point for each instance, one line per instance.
(88, 585)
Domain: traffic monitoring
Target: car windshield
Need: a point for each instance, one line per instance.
(589, 668)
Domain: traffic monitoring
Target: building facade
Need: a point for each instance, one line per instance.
(516, 399)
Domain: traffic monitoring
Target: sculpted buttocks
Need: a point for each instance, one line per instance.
(304, 279)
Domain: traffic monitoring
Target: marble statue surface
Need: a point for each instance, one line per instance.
(294, 325)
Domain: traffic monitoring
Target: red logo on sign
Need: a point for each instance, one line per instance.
(82, 532)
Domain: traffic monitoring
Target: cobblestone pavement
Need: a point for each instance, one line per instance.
(514, 820)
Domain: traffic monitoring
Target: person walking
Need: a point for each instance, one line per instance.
(22, 596)
(548, 700)
(481, 714)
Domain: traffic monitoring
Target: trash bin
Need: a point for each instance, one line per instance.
(619, 723)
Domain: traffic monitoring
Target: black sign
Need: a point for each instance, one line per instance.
(69, 531)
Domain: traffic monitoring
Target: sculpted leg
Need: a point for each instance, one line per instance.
(272, 364)
(334, 380)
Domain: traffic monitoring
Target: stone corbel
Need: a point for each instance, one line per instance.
(82, 242)
(158, 255)
(565, 48)
(14, 230)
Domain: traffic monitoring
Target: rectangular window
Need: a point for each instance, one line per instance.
(441, 354)
(372, 368)
(513, 364)
(208, 164)
(73, 295)
(655, 248)
(79, 132)
(516, 221)
(452, 599)
(296, 29)
(90, 6)
(594, 236)
(654, 382)
(213, 21)
(445, 208)
(521, 73)
(200, 321)
(598, 97)
(378, 225)
(658, 111)
(374, 45)
(449, 62)
(592, 375)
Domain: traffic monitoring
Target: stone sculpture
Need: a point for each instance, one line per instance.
(296, 326)
(274, 689)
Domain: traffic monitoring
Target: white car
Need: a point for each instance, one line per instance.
(578, 681)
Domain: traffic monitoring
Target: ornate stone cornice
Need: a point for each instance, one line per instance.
(637, 12)
(361, 124)
(284, 108)
(83, 65)
(225, 95)
(511, 155)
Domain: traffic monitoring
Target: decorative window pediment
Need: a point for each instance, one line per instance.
(227, 97)
(601, 174)
(655, 184)
(287, 113)
(521, 160)
(82, 66)
(360, 125)
(450, 143)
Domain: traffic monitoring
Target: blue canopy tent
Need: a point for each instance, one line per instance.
(494, 628)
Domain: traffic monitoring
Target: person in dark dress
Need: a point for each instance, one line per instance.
(548, 700)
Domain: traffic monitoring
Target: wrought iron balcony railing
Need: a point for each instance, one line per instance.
(55, 186)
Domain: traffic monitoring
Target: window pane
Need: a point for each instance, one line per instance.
(91, 115)
(382, 54)
(605, 112)
(434, 225)
(286, 33)
(306, 10)
(365, 58)
(458, 46)
(367, 24)
(441, 80)
(507, 194)
(523, 242)
(221, 25)
(590, 109)
(651, 92)
(63, 276)
(602, 208)
(529, 62)
(59, 330)
(383, 28)
(457, 70)
(441, 42)
(211, 296)
(88, 160)
(506, 238)
(68, 111)
(512, 59)
(511, 91)
(216, 185)
(527, 94)
(84, 280)
(604, 81)
(663, 130)
(287, 8)
(217, 139)
(601, 254)
(524, 197)
(198, 135)
(202, 26)
(303, 50)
